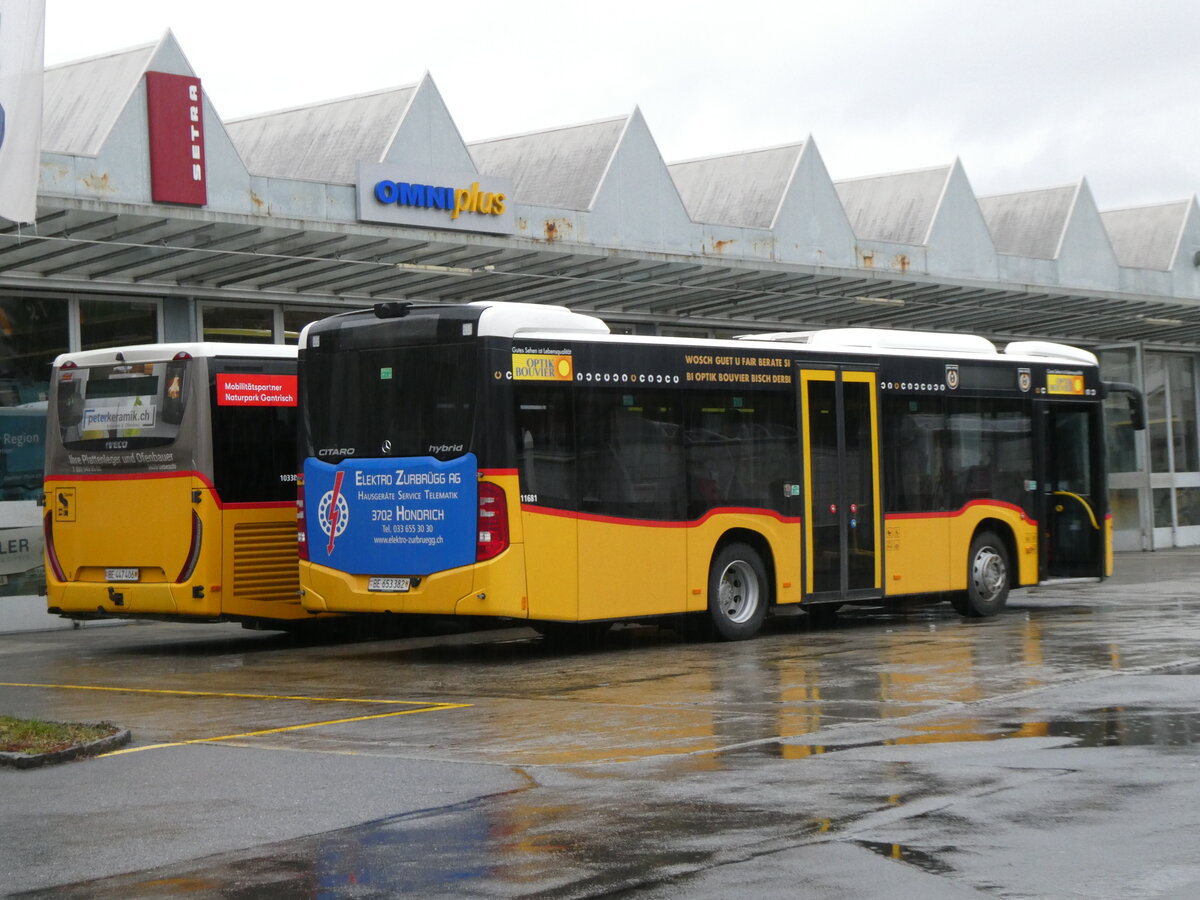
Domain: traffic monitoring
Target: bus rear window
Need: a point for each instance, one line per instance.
(384, 402)
(139, 405)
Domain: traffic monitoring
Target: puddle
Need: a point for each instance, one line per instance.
(926, 860)
(1109, 727)
(1128, 727)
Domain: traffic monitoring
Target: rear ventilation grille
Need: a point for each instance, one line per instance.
(265, 564)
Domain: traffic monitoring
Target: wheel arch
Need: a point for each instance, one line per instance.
(760, 545)
(1004, 531)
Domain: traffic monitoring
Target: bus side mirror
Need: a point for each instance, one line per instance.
(1137, 402)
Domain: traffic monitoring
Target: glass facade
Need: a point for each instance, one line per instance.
(33, 330)
(1154, 477)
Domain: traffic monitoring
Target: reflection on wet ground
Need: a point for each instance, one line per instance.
(929, 861)
(651, 758)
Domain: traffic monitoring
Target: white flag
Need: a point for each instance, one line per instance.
(22, 39)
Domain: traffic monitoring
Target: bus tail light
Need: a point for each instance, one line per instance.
(492, 524)
(193, 557)
(51, 553)
(301, 528)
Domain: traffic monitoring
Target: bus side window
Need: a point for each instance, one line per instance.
(254, 446)
(741, 449)
(991, 451)
(914, 462)
(546, 450)
(631, 453)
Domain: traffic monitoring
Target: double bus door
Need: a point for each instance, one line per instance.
(842, 516)
(1074, 509)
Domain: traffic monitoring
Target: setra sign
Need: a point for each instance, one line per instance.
(176, 120)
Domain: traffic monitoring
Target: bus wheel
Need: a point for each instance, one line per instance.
(737, 592)
(987, 578)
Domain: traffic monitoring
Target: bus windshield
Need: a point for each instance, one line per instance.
(390, 402)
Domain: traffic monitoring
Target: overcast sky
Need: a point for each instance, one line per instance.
(1027, 93)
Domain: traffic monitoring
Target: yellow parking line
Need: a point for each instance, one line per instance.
(128, 690)
(420, 707)
(248, 734)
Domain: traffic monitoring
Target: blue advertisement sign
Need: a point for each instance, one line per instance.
(409, 516)
(22, 451)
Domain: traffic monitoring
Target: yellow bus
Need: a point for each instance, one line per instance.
(521, 461)
(170, 484)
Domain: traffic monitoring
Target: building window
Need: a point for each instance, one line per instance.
(116, 323)
(1120, 365)
(240, 324)
(294, 320)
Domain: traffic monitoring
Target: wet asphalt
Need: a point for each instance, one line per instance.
(1048, 752)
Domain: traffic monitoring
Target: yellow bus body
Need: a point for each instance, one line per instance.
(573, 568)
(578, 568)
(246, 567)
(927, 553)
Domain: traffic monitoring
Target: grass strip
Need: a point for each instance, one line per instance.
(34, 736)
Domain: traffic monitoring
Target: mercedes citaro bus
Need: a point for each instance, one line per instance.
(517, 460)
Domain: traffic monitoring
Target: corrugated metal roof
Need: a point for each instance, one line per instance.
(321, 142)
(81, 100)
(737, 188)
(898, 207)
(671, 271)
(560, 167)
(1029, 223)
(1147, 237)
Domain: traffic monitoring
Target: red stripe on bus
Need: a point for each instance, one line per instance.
(131, 476)
(140, 476)
(657, 523)
(954, 513)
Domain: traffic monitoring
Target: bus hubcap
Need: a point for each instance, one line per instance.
(738, 594)
(988, 573)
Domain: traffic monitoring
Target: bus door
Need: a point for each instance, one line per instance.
(842, 518)
(1073, 514)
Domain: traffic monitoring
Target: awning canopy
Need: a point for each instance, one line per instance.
(208, 255)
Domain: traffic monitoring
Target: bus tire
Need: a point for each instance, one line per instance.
(987, 578)
(737, 592)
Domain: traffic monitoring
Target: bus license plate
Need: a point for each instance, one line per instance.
(388, 584)
(121, 574)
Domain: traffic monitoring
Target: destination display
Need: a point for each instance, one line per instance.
(735, 368)
(654, 364)
(384, 517)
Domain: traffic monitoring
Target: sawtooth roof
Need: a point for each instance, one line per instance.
(323, 141)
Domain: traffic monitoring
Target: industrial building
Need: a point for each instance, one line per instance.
(159, 220)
